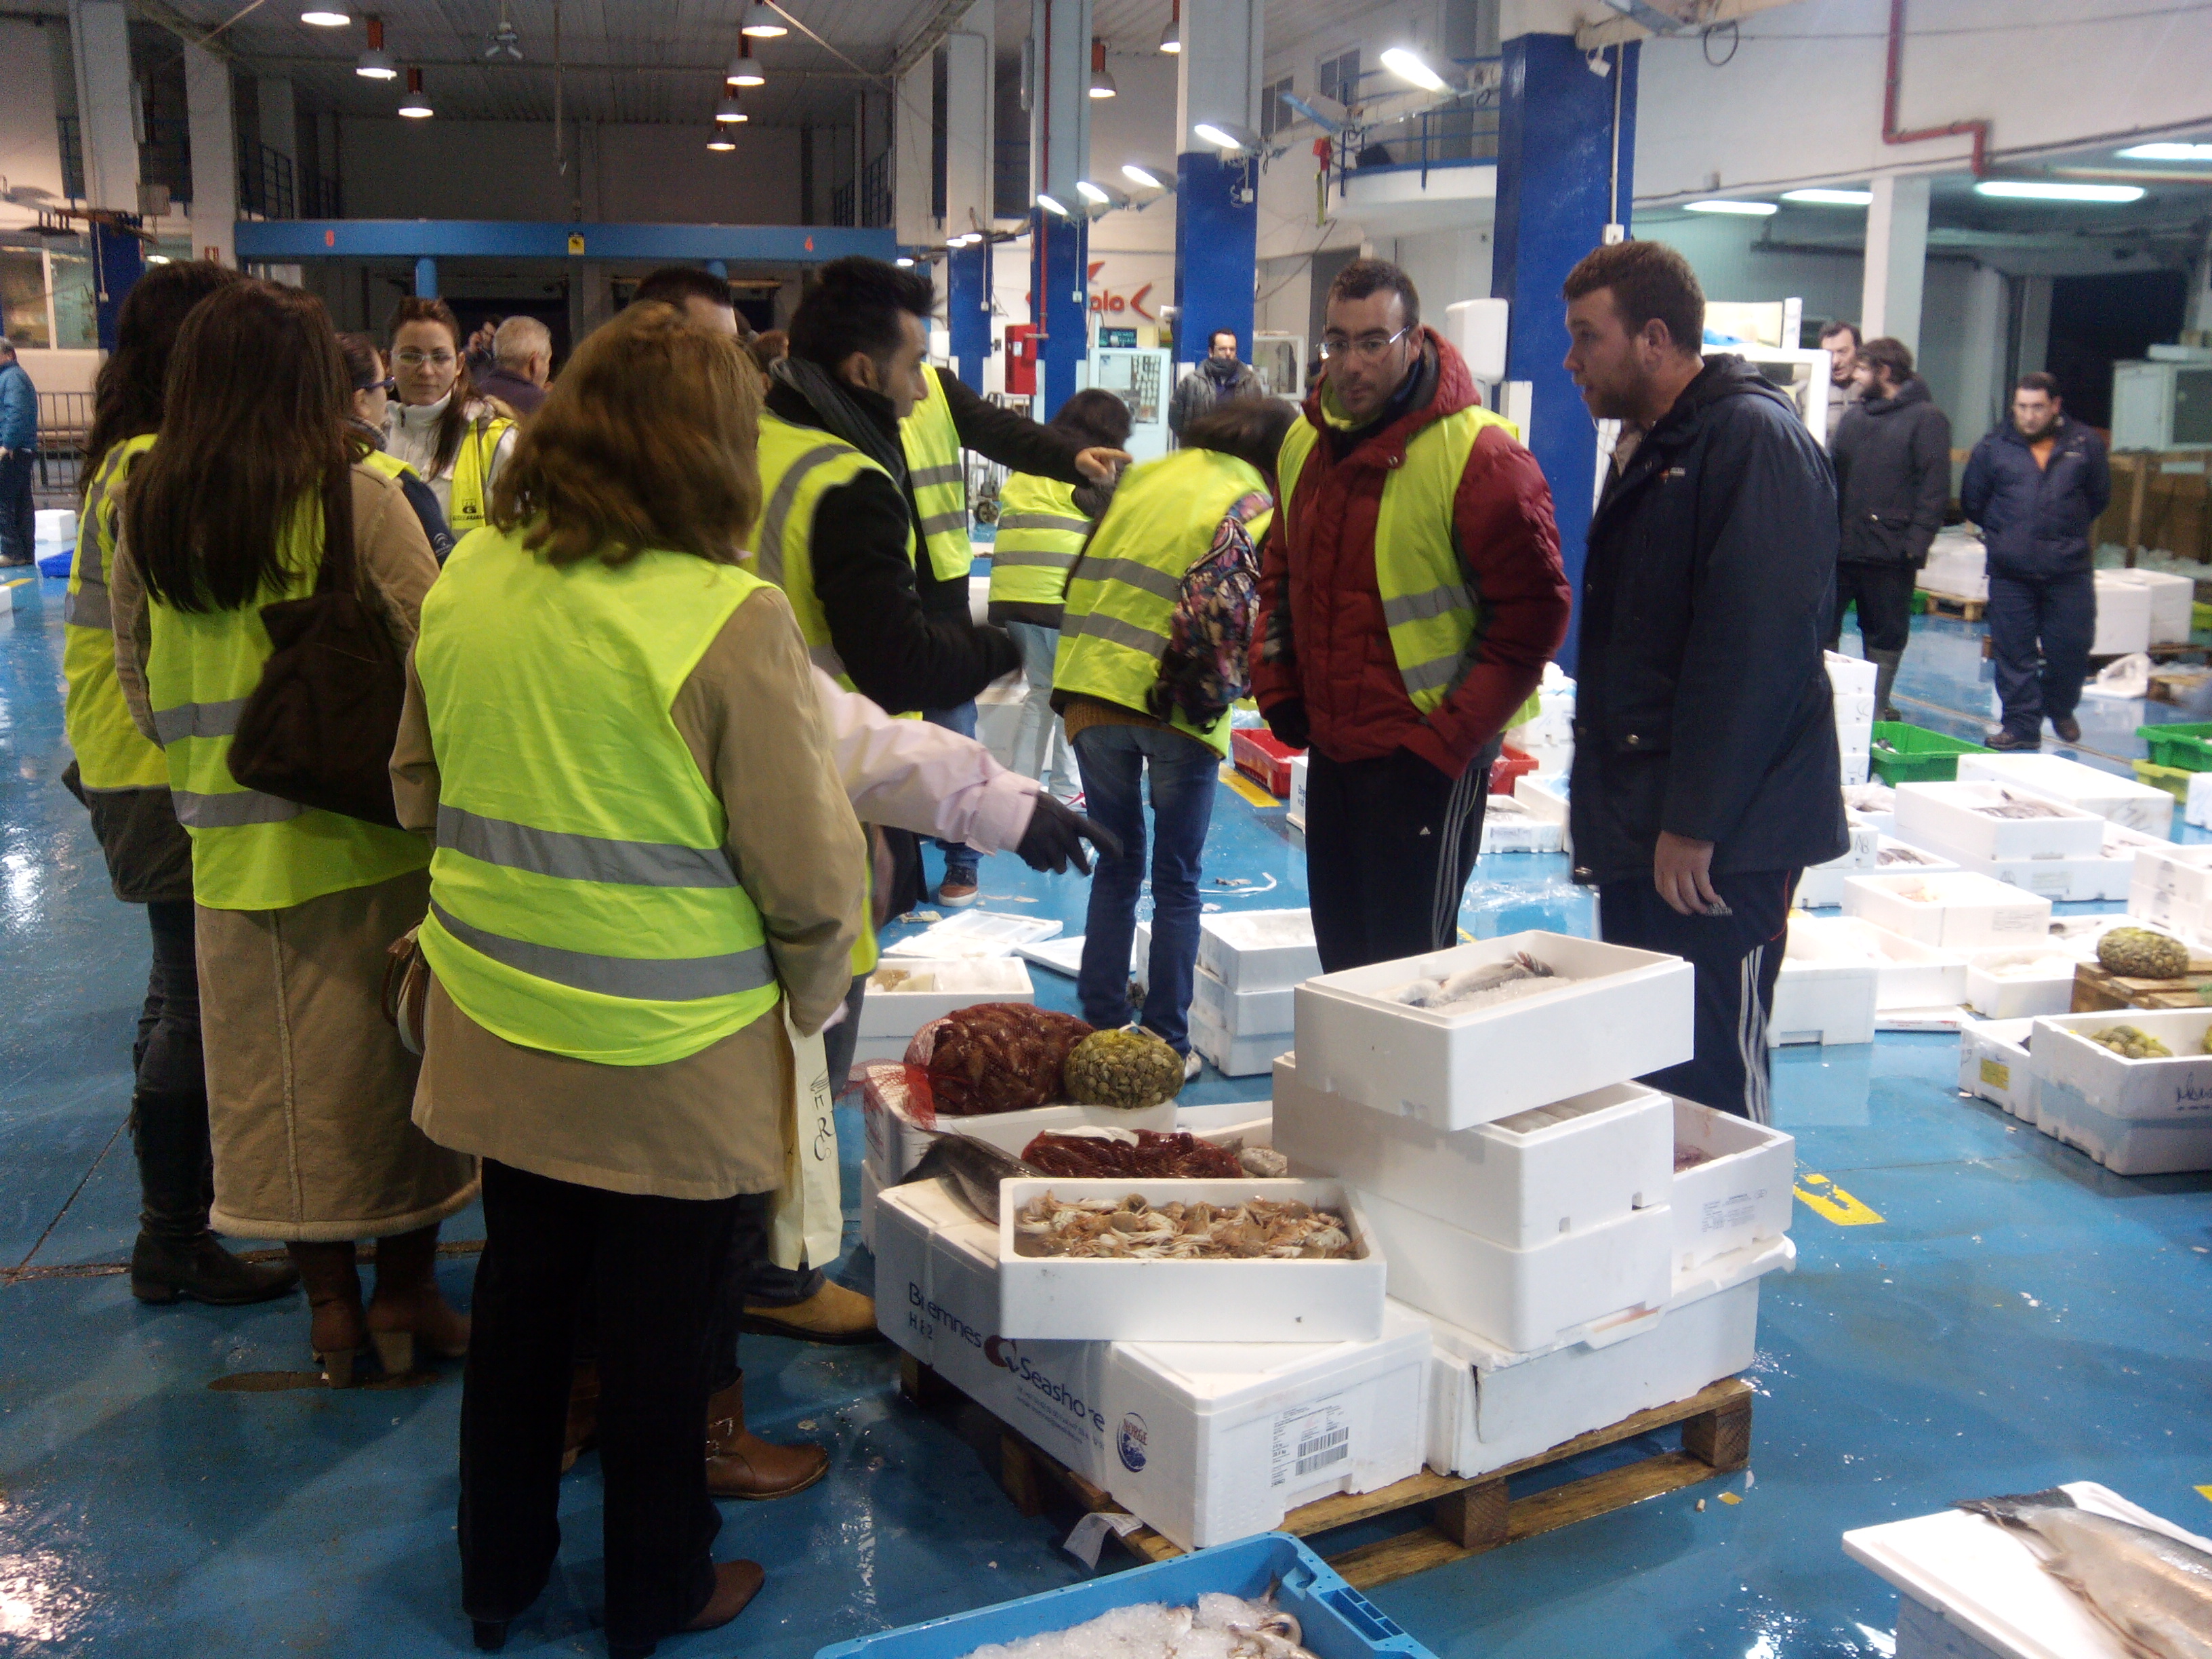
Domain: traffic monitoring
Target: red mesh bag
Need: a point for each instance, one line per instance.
(994, 1057)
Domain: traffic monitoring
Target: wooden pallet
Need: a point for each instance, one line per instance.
(2096, 990)
(1464, 1516)
(1954, 605)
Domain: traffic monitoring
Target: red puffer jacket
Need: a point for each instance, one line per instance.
(1320, 629)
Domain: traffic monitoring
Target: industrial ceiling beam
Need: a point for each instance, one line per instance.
(929, 36)
(1616, 22)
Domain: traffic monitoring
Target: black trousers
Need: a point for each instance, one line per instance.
(1884, 596)
(2040, 633)
(18, 518)
(1390, 845)
(1737, 958)
(653, 1267)
(167, 1055)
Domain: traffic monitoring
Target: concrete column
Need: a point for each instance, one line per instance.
(2032, 344)
(913, 156)
(970, 136)
(107, 102)
(1217, 200)
(215, 153)
(1896, 260)
(1060, 154)
(968, 309)
(1557, 189)
(426, 278)
(1981, 357)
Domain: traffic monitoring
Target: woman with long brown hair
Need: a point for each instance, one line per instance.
(252, 486)
(646, 867)
(456, 441)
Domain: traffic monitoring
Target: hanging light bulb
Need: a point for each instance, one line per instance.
(727, 114)
(762, 22)
(745, 71)
(1171, 36)
(1101, 79)
(415, 106)
(375, 63)
(504, 44)
(326, 17)
(719, 138)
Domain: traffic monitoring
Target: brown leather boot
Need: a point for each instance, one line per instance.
(740, 1464)
(833, 1315)
(339, 1330)
(583, 1429)
(736, 1584)
(406, 1304)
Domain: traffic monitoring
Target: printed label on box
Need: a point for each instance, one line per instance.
(2019, 922)
(1737, 1210)
(1996, 1074)
(1308, 1439)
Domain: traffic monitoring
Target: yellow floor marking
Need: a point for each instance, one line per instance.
(2205, 1493)
(1827, 1199)
(1244, 787)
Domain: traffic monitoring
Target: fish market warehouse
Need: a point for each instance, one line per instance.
(1106, 829)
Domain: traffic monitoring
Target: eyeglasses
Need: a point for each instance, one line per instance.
(387, 385)
(1368, 348)
(411, 358)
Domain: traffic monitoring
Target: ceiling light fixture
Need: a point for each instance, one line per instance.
(375, 63)
(1230, 137)
(326, 18)
(2168, 152)
(2028, 189)
(745, 71)
(504, 44)
(1144, 178)
(1719, 204)
(1051, 204)
(1101, 79)
(1830, 198)
(415, 105)
(1171, 36)
(721, 140)
(726, 113)
(1091, 192)
(1409, 66)
(762, 22)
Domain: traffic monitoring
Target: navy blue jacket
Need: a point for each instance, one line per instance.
(1703, 707)
(2035, 521)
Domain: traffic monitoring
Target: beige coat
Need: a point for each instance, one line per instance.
(308, 1089)
(712, 1123)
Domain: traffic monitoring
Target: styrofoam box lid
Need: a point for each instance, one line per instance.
(1986, 1580)
(1247, 1379)
(2052, 775)
(1965, 887)
(1579, 962)
(1221, 1114)
(1261, 930)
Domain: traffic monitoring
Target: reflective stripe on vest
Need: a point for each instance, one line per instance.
(252, 851)
(1041, 531)
(581, 902)
(1121, 599)
(471, 472)
(111, 753)
(1431, 612)
(939, 480)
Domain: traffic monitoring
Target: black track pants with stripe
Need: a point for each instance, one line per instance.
(1737, 957)
(1390, 844)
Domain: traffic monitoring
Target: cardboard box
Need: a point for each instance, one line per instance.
(1958, 819)
(1619, 1013)
(1258, 950)
(1953, 909)
(2050, 777)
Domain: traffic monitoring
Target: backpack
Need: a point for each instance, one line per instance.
(1207, 664)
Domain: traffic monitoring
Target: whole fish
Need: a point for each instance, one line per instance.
(973, 1168)
(2155, 1592)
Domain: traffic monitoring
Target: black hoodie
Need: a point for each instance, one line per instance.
(1893, 459)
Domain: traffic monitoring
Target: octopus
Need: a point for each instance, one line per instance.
(1132, 1229)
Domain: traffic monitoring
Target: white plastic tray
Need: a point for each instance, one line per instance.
(974, 933)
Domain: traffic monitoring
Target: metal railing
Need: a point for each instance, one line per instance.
(265, 185)
(1460, 134)
(64, 421)
(874, 194)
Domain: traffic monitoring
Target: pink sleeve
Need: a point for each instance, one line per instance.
(909, 775)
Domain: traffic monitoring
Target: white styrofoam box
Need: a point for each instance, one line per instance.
(974, 934)
(1854, 709)
(1299, 790)
(2050, 777)
(1969, 1586)
(2197, 810)
(931, 990)
(1508, 826)
(2021, 982)
(2122, 617)
(1258, 950)
(1857, 766)
(2106, 877)
(1956, 565)
(896, 1141)
(1489, 1406)
(1822, 886)
(1993, 1065)
(2183, 871)
(1545, 797)
(1525, 1180)
(1849, 676)
(871, 1189)
(2125, 1146)
(1741, 1192)
(1525, 1298)
(1617, 1013)
(1063, 1298)
(55, 524)
(2170, 599)
(1957, 818)
(1258, 1013)
(1207, 1442)
(1953, 910)
(1820, 996)
(2179, 1088)
(1908, 973)
(1233, 1055)
(1220, 1116)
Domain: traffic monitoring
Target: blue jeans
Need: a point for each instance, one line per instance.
(1033, 738)
(958, 855)
(1114, 759)
(2040, 632)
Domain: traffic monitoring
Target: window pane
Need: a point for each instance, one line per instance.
(76, 307)
(23, 299)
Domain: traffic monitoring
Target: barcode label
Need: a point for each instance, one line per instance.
(1318, 1453)
(1310, 1438)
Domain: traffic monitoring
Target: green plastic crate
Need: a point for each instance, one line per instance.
(2200, 618)
(2174, 780)
(2183, 746)
(1913, 754)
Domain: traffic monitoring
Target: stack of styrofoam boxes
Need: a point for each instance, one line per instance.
(2196, 807)
(1822, 886)
(1843, 976)
(1852, 680)
(2172, 889)
(1510, 825)
(1540, 1235)
(2063, 855)
(1545, 798)
(1956, 567)
(1297, 799)
(2171, 601)
(2134, 1116)
(1241, 1007)
(1549, 738)
(2123, 616)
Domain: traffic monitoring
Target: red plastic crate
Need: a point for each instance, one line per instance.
(1509, 765)
(1266, 759)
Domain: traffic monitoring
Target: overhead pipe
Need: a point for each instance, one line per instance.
(1892, 96)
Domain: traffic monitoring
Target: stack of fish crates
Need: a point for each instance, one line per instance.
(1248, 963)
(1582, 1246)
(1852, 681)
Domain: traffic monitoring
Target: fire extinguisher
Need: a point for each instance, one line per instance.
(1021, 360)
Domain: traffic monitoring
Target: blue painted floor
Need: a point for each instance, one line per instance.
(2017, 1318)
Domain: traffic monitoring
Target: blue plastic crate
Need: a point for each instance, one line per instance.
(1339, 1623)
(56, 563)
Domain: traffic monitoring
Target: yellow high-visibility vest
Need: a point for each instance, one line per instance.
(111, 753)
(934, 467)
(471, 473)
(1040, 532)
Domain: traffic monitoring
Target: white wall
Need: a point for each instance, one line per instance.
(30, 145)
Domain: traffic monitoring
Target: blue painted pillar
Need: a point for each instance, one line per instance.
(1216, 240)
(1059, 284)
(426, 278)
(968, 309)
(121, 259)
(1556, 194)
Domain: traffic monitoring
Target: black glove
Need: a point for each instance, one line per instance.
(1287, 720)
(1055, 836)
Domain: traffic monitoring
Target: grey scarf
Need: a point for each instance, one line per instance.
(841, 413)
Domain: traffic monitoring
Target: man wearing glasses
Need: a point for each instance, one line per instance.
(1410, 595)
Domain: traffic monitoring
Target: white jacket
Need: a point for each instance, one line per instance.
(909, 775)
